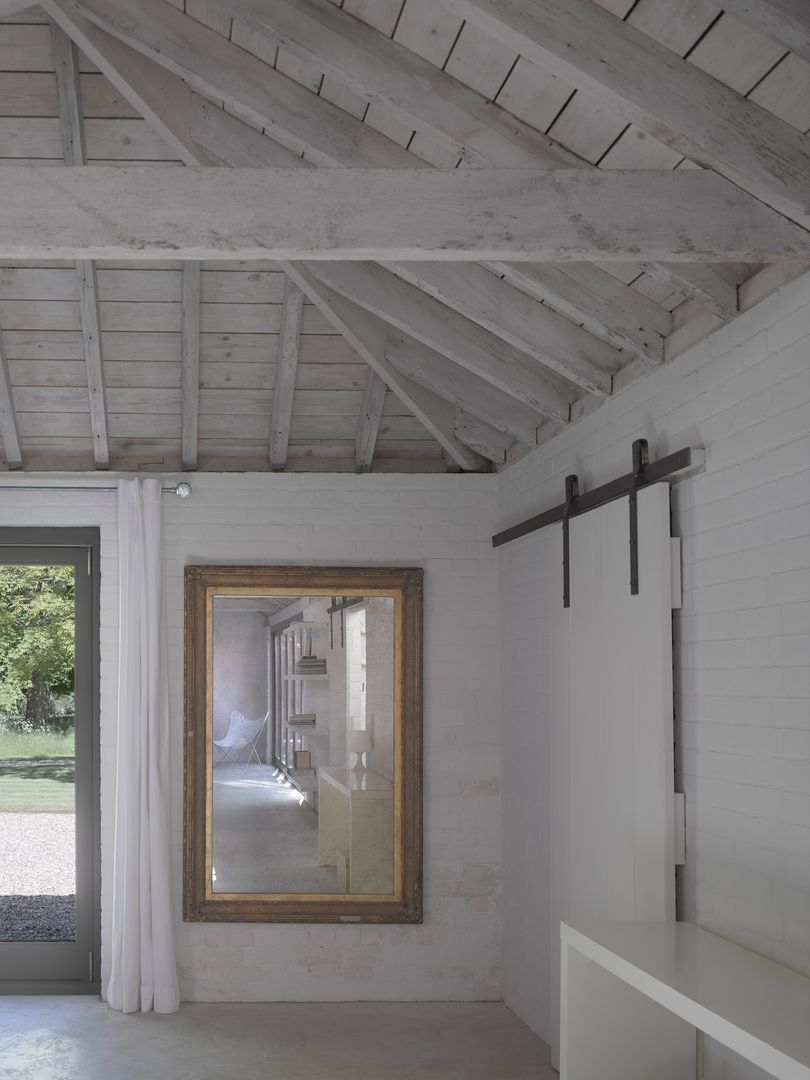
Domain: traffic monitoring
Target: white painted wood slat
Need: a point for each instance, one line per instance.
(286, 372)
(91, 335)
(190, 364)
(656, 90)
(377, 214)
(786, 22)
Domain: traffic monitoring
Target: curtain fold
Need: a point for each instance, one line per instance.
(143, 973)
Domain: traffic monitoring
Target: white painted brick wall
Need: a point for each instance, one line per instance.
(443, 523)
(742, 693)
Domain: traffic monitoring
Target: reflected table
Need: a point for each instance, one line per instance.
(356, 828)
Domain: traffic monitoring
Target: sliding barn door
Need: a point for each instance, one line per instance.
(611, 768)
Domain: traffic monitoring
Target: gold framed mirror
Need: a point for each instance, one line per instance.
(303, 744)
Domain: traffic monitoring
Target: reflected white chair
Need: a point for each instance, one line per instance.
(242, 734)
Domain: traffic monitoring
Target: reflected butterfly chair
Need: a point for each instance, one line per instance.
(242, 734)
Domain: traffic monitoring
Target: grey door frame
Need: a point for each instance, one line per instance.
(75, 967)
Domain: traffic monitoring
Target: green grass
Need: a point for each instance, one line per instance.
(43, 787)
(37, 744)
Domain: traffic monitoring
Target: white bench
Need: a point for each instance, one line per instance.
(634, 995)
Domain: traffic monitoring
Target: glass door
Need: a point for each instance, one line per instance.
(49, 792)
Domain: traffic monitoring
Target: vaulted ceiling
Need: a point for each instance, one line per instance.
(401, 363)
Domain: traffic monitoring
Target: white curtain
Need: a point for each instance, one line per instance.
(143, 975)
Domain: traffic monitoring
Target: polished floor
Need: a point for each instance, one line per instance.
(64, 1038)
(265, 834)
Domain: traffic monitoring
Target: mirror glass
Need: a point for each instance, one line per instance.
(302, 763)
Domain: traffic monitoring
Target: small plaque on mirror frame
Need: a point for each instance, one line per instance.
(303, 744)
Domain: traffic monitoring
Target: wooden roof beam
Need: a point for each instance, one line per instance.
(487, 441)
(514, 317)
(700, 282)
(8, 420)
(219, 69)
(292, 309)
(71, 126)
(368, 424)
(601, 303)
(657, 90)
(162, 99)
(787, 22)
(471, 130)
(435, 372)
(151, 212)
(190, 354)
(447, 332)
(367, 336)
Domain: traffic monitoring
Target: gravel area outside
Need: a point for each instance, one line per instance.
(37, 876)
(37, 854)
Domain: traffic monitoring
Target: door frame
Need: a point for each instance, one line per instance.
(85, 540)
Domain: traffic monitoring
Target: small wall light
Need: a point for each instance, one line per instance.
(183, 490)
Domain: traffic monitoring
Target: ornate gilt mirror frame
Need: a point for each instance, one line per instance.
(404, 586)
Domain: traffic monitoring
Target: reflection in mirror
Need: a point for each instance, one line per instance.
(303, 714)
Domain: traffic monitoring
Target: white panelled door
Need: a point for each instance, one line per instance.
(611, 746)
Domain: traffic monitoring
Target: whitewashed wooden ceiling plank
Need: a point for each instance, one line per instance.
(655, 89)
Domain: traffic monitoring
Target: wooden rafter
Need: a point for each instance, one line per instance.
(701, 282)
(469, 129)
(488, 441)
(149, 212)
(600, 302)
(368, 424)
(8, 420)
(516, 318)
(367, 335)
(292, 310)
(445, 331)
(489, 135)
(219, 69)
(787, 22)
(71, 126)
(435, 372)
(190, 347)
(163, 100)
(658, 91)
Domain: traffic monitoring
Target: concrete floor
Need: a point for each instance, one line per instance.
(265, 835)
(67, 1038)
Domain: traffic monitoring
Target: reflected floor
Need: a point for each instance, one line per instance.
(265, 835)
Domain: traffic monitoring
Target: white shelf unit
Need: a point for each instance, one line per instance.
(291, 690)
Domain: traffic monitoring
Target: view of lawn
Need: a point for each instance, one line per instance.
(36, 787)
(36, 744)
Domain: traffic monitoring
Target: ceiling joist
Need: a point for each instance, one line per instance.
(701, 282)
(160, 213)
(292, 309)
(657, 90)
(190, 377)
(71, 126)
